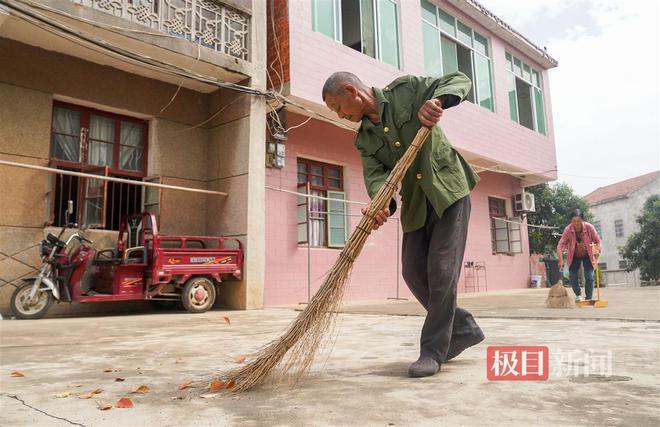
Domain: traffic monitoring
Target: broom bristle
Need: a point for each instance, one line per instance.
(296, 349)
(558, 297)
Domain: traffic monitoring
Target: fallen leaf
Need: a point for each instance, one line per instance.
(120, 379)
(208, 395)
(178, 398)
(124, 402)
(75, 385)
(216, 385)
(184, 386)
(231, 385)
(104, 406)
(227, 320)
(107, 370)
(143, 389)
(17, 374)
(91, 394)
(239, 359)
(64, 394)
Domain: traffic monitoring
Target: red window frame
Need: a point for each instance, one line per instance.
(325, 175)
(497, 209)
(85, 115)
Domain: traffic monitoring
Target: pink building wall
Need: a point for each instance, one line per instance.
(481, 135)
(375, 273)
(490, 135)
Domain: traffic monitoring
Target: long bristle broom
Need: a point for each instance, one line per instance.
(295, 350)
(558, 296)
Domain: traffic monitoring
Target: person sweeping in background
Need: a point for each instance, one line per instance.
(435, 202)
(577, 240)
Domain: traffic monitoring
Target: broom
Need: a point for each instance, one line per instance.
(296, 348)
(558, 296)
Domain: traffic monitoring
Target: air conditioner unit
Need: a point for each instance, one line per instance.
(524, 202)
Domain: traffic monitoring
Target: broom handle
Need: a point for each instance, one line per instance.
(382, 199)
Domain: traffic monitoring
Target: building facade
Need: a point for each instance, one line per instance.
(504, 130)
(136, 90)
(615, 209)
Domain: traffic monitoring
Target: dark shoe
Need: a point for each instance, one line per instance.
(424, 367)
(459, 345)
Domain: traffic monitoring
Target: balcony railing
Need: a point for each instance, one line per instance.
(207, 22)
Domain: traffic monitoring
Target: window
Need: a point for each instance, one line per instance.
(321, 223)
(618, 227)
(598, 228)
(623, 264)
(525, 94)
(450, 45)
(505, 232)
(602, 266)
(100, 143)
(368, 26)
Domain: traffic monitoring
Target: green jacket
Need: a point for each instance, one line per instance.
(439, 173)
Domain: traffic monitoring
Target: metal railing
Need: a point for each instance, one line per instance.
(209, 23)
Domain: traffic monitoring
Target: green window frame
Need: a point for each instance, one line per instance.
(321, 222)
(377, 21)
(523, 77)
(450, 45)
(337, 224)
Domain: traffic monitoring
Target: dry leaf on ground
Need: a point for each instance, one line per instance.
(104, 406)
(91, 394)
(124, 402)
(216, 385)
(142, 389)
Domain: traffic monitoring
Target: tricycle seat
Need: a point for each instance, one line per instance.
(107, 256)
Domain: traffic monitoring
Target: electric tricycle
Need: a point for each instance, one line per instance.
(144, 265)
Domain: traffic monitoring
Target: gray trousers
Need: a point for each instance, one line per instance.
(432, 258)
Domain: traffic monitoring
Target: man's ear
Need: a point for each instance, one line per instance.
(351, 90)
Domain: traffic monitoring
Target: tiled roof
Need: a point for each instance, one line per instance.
(620, 189)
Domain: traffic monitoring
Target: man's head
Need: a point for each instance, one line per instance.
(345, 94)
(577, 217)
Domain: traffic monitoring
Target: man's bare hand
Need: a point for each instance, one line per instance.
(381, 216)
(429, 114)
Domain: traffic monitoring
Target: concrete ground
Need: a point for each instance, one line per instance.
(361, 382)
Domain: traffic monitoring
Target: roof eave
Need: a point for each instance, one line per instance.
(493, 23)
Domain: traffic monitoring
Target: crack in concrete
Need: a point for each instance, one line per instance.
(13, 396)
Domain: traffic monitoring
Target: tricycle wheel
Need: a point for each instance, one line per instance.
(198, 295)
(23, 308)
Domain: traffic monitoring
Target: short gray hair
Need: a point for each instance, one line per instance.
(335, 83)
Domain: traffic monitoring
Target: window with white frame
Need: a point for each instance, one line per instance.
(618, 227)
(525, 94)
(450, 45)
(321, 223)
(368, 26)
(505, 231)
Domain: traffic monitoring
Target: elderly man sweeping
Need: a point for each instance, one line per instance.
(435, 202)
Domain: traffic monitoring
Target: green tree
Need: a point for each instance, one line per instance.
(643, 248)
(554, 204)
